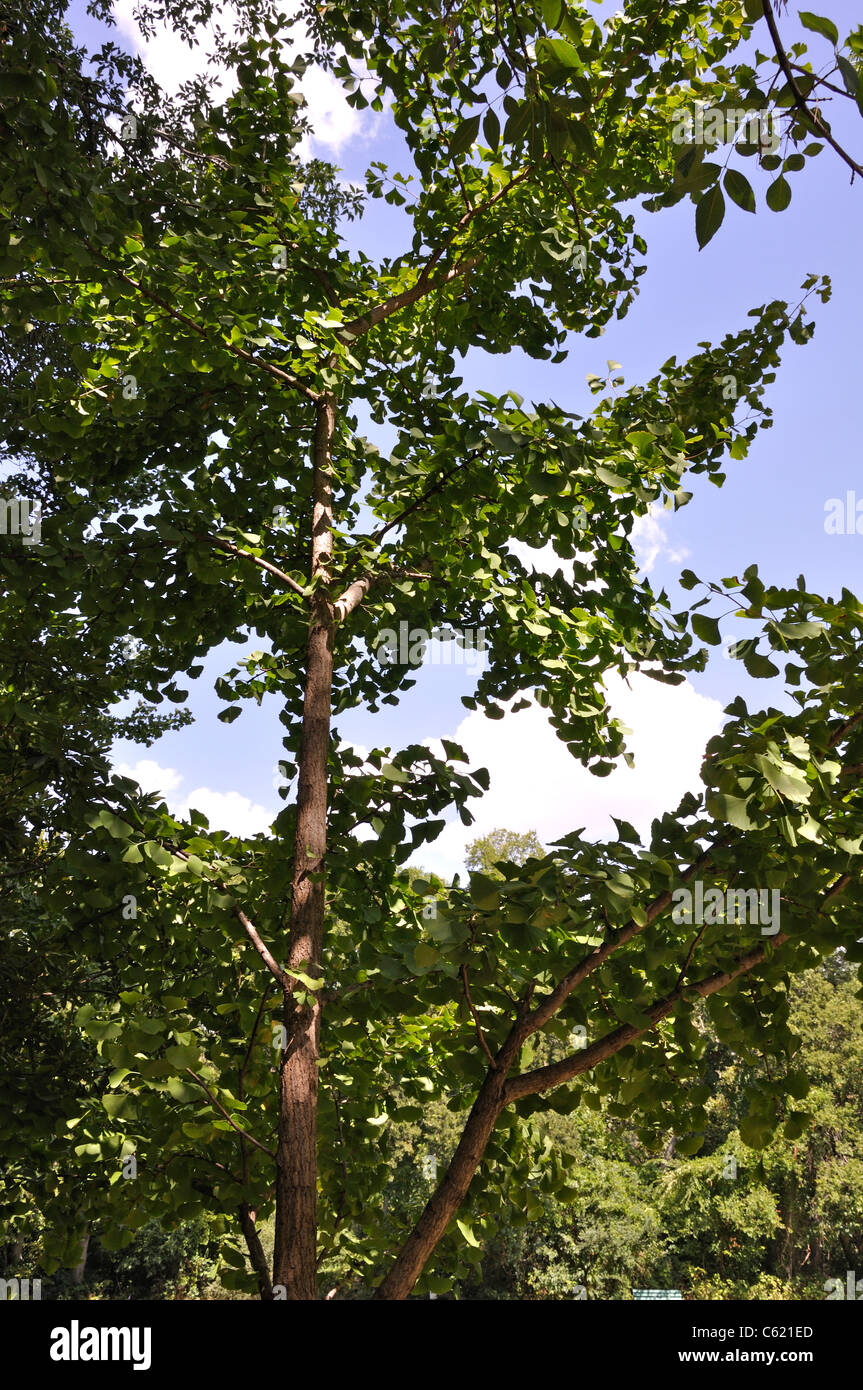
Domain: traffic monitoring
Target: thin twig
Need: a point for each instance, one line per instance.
(221, 544)
(480, 1035)
(212, 1099)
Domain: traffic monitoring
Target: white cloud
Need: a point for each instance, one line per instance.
(229, 811)
(171, 62)
(167, 58)
(650, 540)
(544, 558)
(334, 122)
(537, 785)
(151, 776)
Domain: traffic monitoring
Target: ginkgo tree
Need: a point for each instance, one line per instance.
(189, 416)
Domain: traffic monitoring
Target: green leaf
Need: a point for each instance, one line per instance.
(797, 631)
(394, 774)
(754, 1133)
(464, 136)
(818, 24)
(467, 1232)
(119, 1107)
(115, 827)
(779, 194)
(690, 1145)
(159, 856)
(709, 212)
(731, 809)
(796, 1124)
(559, 52)
(707, 629)
(485, 892)
(182, 1057)
(605, 475)
(739, 189)
(850, 75)
(491, 128)
(307, 980)
(183, 1091)
(795, 788)
(759, 666)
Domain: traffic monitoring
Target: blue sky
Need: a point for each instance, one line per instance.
(771, 509)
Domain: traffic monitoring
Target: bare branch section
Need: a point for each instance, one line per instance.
(223, 1112)
(263, 950)
(426, 284)
(479, 1033)
(256, 1251)
(285, 980)
(799, 98)
(356, 592)
(544, 1078)
(219, 543)
(152, 298)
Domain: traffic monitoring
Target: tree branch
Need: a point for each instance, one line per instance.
(222, 1111)
(799, 98)
(357, 327)
(544, 1078)
(221, 544)
(256, 1251)
(480, 1035)
(425, 285)
(202, 332)
(424, 497)
(263, 951)
(354, 594)
(552, 1002)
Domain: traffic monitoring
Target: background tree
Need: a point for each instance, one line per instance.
(486, 852)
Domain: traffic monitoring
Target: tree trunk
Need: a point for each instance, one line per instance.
(256, 1251)
(445, 1202)
(295, 1253)
(78, 1269)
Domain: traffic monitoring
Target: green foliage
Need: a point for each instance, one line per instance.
(194, 301)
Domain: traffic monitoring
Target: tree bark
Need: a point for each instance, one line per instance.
(295, 1253)
(77, 1275)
